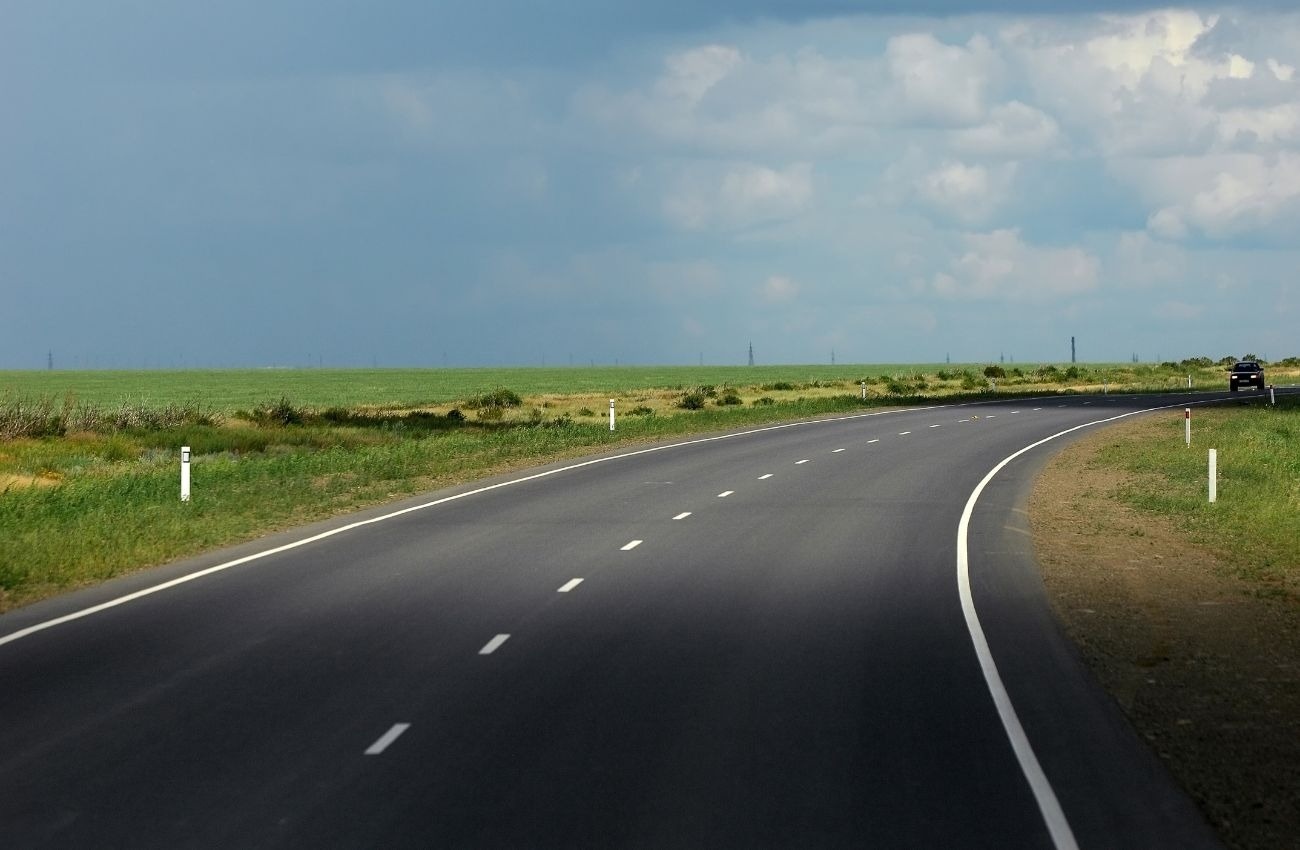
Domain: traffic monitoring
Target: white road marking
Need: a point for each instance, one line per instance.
(493, 645)
(569, 585)
(936, 426)
(725, 493)
(903, 433)
(682, 515)
(797, 462)
(764, 477)
(1017, 530)
(387, 738)
(1036, 409)
(632, 545)
(352, 526)
(1015, 411)
(1048, 806)
(836, 451)
(963, 420)
(991, 416)
(877, 440)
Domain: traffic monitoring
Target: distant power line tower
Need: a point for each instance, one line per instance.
(49, 362)
(1072, 360)
(751, 354)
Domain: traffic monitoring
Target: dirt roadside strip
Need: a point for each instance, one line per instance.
(1206, 668)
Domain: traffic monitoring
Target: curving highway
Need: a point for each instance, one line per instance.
(818, 635)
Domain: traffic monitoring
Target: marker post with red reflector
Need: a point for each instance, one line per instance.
(1187, 419)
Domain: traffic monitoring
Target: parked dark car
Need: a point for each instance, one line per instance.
(1244, 374)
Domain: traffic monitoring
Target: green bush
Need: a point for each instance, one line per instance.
(994, 372)
(501, 397)
(765, 401)
(729, 397)
(692, 400)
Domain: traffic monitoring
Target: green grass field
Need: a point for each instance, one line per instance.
(229, 390)
(88, 460)
(1255, 522)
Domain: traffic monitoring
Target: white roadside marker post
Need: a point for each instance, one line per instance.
(864, 390)
(185, 473)
(1189, 382)
(1187, 424)
(1214, 475)
(611, 414)
(1271, 399)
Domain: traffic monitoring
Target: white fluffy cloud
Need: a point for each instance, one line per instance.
(967, 193)
(1001, 265)
(939, 83)
(742, 194)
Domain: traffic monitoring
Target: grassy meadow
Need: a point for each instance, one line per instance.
(1254, 523)
(89, 460)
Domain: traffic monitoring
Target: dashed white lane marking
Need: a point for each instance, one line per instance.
(991, 416)
(1036, 409)
(725, 493)
(682, 515)
(569, 585)
(936, 426)
(1015, 411)
(493, 645)
(963, 420)
(877, 440)
(764, 477)
(903, 433)
(387, 738)
(631, 545)
(797, 462)
(836, 451)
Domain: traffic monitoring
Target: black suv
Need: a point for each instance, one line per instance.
(1245, 374)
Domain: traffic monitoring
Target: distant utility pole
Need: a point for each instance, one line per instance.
(947, 358)
(1072, 360)
(832, 356)
(50, 360)
(751, 354)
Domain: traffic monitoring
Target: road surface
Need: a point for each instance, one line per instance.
(821, 635)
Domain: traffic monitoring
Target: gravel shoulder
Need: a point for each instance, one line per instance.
(1206, 667)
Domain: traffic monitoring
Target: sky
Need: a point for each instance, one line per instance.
(504, 182)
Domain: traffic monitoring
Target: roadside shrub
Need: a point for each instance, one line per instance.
(969, 381)
(641, 410)
(454, 415)
(765, 401)
(586, 411)
(897, 387)
(1196, 363)
(994, 372)
(500, 397)
(779, 386)
(693, 400)
(1288, 361)
(280, 412)
(944, 375)
(1227, 361)
(1072, 374)
(492, 413)
(729, 397)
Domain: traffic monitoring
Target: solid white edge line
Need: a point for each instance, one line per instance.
(1048, 805)
(176, 582)
(631, 545)
(493, 645)
(387, 738)
(167, 585)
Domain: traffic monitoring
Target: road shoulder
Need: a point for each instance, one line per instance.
(1205, 668)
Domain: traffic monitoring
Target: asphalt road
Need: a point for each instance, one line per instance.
(755, 641)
